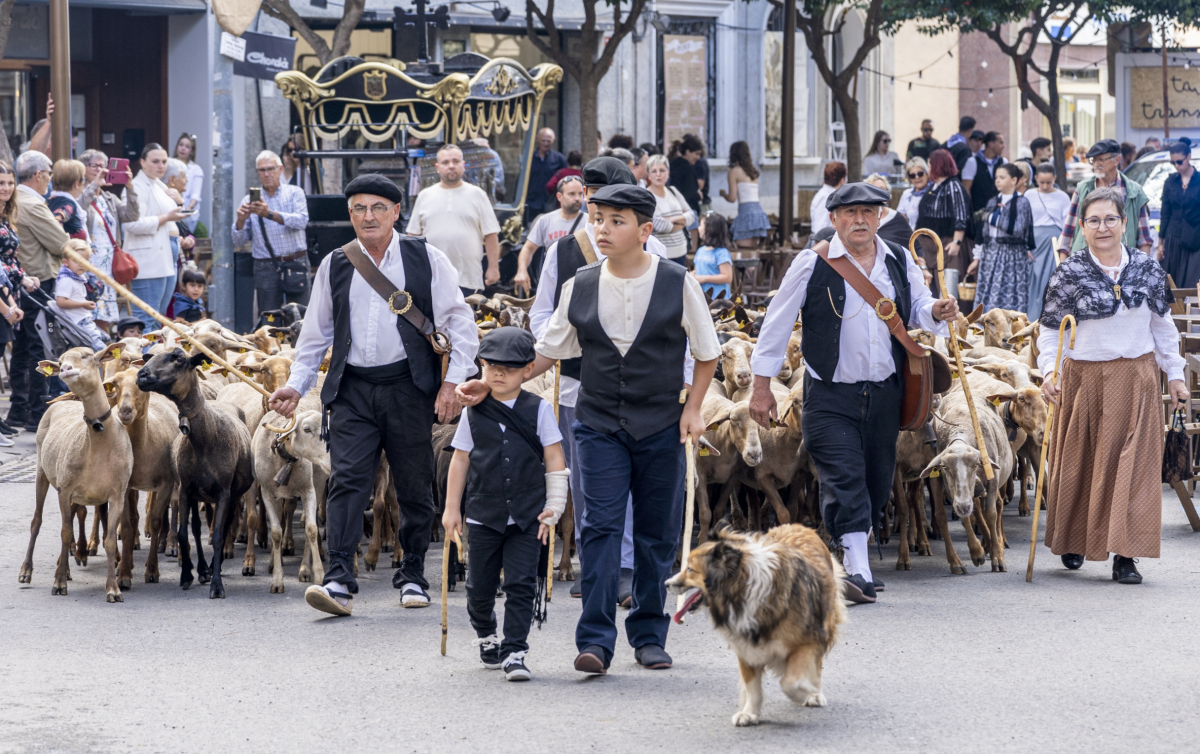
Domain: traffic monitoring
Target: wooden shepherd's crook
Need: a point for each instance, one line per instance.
(445, 587)
(1037, 497)
(689, 508)
(168, 323)
(953, 341)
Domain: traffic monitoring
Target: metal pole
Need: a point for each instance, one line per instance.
(788, 123)
(60, 80)
(1166, 103)
(221, 295)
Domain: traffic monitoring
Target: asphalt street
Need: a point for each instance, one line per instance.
(1071, 663)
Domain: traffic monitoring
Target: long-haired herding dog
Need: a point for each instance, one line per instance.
(777, 599)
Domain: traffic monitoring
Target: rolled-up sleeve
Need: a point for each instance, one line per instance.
(921, 314)
(776, 330)
(453, 317)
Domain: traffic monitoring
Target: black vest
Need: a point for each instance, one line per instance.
(822, 335)
(506, 478)
(569, 259)
(423, 362)
(983, 188)
(637, 392)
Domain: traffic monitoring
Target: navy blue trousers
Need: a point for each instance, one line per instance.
(850, 430)
(611, 467)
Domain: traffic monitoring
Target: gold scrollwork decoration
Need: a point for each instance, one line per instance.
(512, 226)
(375, 84)
(450, 91)
(502, 83)
(546, 77)
(300, 88)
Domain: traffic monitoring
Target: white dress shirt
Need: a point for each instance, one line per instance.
(147, 241)
(816, 209)
(865, 345)
(1128, 334)
(622, 304)
(543, 308)
(374, 339)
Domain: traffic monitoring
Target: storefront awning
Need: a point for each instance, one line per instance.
(150, 7)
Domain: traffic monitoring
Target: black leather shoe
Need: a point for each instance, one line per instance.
(857, 590)
(877, 584)
(1125, 571)
(1072, 561)
(32, 424)
(625, 590)
(591, 660)
(577, 588)
(652, 657)
(17, 418)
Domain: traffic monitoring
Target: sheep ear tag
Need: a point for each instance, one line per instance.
(187, 347)
(241, 350)
(48, 371)
(270, 317)
(710, 428)
(996, 402)
(934, 473)
(703, 451)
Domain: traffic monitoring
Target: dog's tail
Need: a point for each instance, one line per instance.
(839, 615)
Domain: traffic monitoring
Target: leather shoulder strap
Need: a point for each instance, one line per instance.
(585, 245)
(386, 288)
(885, 308)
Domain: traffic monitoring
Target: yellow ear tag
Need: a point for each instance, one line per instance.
(738, 300)
(187, 347)
(934, 473)
(954, 375)
(246, 372)
(703, 451)
(774, 424)
(323, 368)
(795, 327)
(279, 336)
(996, 402)
(487, 318)
(270, 317)
(48, 371)
(116, 353)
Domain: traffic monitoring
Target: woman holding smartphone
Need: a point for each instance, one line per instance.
(148, 239)
(105, 213)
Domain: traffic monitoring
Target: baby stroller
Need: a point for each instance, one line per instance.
(58, 333)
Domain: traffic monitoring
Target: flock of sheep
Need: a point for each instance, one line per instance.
(155, 415)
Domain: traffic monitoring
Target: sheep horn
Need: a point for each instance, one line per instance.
(520, 303)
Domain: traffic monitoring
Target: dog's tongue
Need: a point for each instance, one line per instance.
(690, 598)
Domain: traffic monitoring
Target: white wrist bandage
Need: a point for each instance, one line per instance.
(557, 485)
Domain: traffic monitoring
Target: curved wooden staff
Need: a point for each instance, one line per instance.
(689, 509)
(87, 265)
(1037, 497)
(445, 587)
(953, 341)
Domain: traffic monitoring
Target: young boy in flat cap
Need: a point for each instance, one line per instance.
(630, 425)
(508, 456)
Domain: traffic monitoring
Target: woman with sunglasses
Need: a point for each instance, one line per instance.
(1179, 228)
(1106, 453)
(917, 172)
(880, 158)
(946, 210)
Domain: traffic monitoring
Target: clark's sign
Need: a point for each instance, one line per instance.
(265, 56)
(1146, 97)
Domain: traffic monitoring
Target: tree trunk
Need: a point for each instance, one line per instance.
(589, 120)
(849, 107)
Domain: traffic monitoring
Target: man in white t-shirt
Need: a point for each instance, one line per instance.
(457, 218)
(550, 227)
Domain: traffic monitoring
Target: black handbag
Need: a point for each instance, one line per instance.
(1177, 462)
(293, 275)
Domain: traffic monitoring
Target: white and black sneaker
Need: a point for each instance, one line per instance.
(412, 595)
(514, 668)
(489, 651)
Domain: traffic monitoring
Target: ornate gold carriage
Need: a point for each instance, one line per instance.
(375, 116)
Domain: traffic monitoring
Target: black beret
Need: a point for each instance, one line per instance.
(857, 193)
(621, 196)
(130, 322)
(607, 171)
(1104, 146)
(508, 347)
(824, 234)
(374, 183)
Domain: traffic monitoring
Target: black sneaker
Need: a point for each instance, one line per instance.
(1072, 561)
(32, 424)
(625, 590)
(1125, 571)
(577, 588)
(489, 651)
(6, 428)
(856, 589)
(514, 668)
(16, 418)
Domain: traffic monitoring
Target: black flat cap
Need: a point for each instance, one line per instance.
(374, 183)
(857, 193)
(621, 196)
(1104, 146)
(508, 347)
(130, 322)
(607, 171)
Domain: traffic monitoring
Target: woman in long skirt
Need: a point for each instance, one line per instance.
(1179, 229)
(1003, 261)
(1050, 207)
(1105, 492)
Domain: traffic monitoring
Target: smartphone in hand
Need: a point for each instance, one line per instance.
(255, 195)
(116, 172)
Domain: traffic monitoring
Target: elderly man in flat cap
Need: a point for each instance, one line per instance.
(381, 301)
(564, 257)
(1105, 156)
(853, 383)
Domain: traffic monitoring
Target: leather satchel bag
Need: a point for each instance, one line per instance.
(124, 266)
(1176, 463)
(293, 275)
(926, 372)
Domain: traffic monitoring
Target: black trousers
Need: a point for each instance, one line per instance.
(30, 389)
(850, 429)
(269, 291)
(368, 416)
(516, 552)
